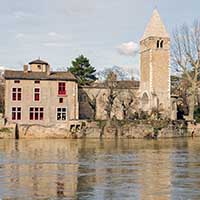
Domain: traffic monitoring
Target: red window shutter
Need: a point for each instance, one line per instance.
(37, 97)
(61, 88)
(37, 94)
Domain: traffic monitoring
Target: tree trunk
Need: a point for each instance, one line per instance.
(192, 105)
(94, 114)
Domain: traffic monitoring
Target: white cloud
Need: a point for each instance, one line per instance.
(77, 7)
(52, 34)
(20, 35)
(21, 15)
(55, 40)
(54, 44)
(128, 49)
(55, 35)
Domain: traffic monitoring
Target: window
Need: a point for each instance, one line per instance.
(36, 113)
(36, 94)
(61, 114)
(158, 44)
(61, 88)
(16, 113)
(161, 44)
(60, 100)
(16, 81)
(145, 99)
(16, 94)
(37, 82)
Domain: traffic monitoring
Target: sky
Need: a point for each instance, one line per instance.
(106, 31)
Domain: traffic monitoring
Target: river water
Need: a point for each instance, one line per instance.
(100, 169)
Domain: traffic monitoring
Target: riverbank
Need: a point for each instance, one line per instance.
(138, 129)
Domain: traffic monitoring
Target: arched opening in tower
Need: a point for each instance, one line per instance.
(145, 100)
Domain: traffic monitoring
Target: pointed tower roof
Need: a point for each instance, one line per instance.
(156, 27)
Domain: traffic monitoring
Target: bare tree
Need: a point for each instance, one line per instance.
(186, 58)
(128, 103)
(111, 84)
(93, 103)
(121, 74)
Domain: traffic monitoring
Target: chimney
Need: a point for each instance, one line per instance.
(25, 68)
(48, 70)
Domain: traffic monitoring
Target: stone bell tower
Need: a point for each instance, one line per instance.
(155, 65)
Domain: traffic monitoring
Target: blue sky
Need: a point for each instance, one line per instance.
(102, 30)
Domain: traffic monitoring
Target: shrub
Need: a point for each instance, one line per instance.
(197, 114)
(5, 130)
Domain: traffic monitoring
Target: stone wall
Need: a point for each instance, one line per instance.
(103, 129)
(100, 95)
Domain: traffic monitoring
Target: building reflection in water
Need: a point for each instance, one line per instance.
(98, 169)
(39, 168)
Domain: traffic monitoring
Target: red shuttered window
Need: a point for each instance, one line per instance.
(16, 94)
(36, 113)
(37, 94)
(16, 113)
(61, 88)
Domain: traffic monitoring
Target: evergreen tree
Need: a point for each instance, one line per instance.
(83, 71)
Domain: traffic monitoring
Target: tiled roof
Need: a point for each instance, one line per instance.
(38, 61)
(9, 74)
(125, 84)
(155, 28)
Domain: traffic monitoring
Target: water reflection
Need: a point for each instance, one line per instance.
(100, 169)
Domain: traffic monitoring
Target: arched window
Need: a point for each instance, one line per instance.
(158, 44)
(161, 44)
(145, 99)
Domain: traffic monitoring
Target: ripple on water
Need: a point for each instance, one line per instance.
(97, 169)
